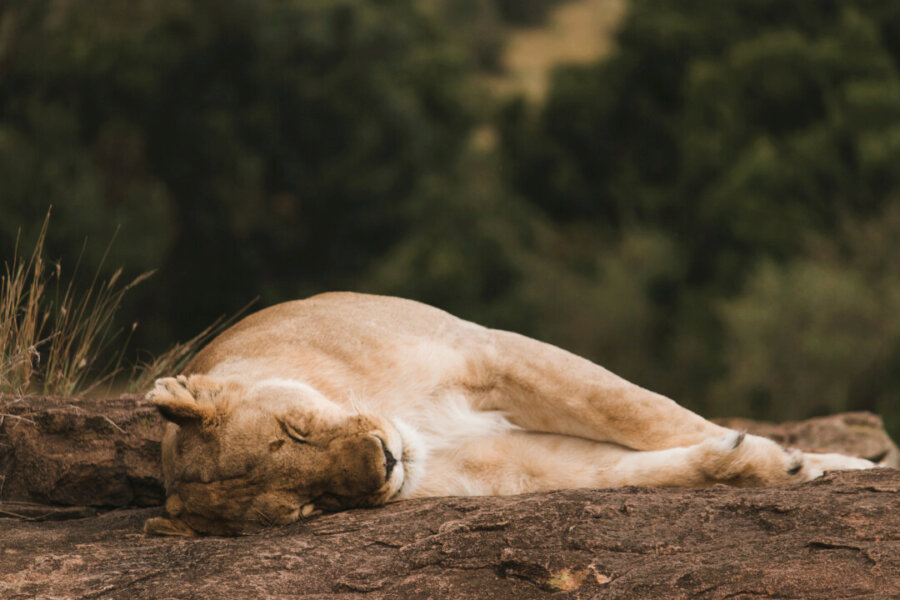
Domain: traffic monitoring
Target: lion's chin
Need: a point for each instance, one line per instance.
(411, 464)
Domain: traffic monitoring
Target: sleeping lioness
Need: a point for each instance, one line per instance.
(346, 400)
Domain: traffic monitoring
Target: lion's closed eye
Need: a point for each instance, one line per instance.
(293, 433)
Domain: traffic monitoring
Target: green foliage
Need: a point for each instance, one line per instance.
(732, 126)
(525, 12)
(480, 27)
(476, 25)
(283, 139)
(821, 333)
(736, 130)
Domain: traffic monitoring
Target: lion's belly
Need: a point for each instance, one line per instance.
(516, 462)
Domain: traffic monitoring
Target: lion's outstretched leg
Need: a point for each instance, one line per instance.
(518, 462)
(734, 458)
(543, 388)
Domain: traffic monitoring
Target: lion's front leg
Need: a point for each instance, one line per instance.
(735, 459)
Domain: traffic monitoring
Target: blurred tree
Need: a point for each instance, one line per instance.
(477, 27)
(730, 125)
(44, 160)
(820, 333)
(735, 129)
(525, 12)
(246, 147)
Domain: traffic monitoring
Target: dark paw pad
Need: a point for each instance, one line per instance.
(795, 465)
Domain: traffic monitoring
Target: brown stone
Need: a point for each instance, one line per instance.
(85, 452)
(837, 537)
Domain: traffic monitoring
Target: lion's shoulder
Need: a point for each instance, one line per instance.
(340, 333)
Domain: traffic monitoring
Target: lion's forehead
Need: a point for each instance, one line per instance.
(284, 436)
(253, 444)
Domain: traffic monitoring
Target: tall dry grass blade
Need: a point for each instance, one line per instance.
(22, 319)
(59, 345)
(178, 356)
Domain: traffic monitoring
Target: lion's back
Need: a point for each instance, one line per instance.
(335, 337)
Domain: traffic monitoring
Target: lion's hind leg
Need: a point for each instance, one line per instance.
(734, 458)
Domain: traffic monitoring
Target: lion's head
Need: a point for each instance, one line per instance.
(237, 458)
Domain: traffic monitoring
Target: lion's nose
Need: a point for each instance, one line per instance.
(389, 463)
(389, 460)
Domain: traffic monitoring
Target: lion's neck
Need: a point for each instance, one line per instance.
(435, 429)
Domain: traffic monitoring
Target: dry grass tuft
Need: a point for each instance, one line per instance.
(54, 338)
(177, 357)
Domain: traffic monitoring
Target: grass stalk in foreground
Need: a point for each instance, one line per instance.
(55, 339)
(177, 357)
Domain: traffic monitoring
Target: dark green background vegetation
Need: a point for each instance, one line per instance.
(712, 211)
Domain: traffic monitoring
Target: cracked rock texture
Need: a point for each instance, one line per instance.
(65, 463)
(63, 451)
(838, 537)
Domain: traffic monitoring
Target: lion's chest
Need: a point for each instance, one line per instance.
(458, 443)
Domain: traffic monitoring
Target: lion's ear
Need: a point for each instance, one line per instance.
(177, 404)
(182, 413)
(167, 526)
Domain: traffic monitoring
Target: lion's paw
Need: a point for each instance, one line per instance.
(177, 400)
(737, 458)
(835, 462)
(167, 389)
(749, 461)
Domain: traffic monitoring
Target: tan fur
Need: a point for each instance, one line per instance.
(307, 405)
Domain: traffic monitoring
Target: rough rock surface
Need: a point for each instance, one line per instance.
(65, 462)
(62, 451)
(838, 537)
